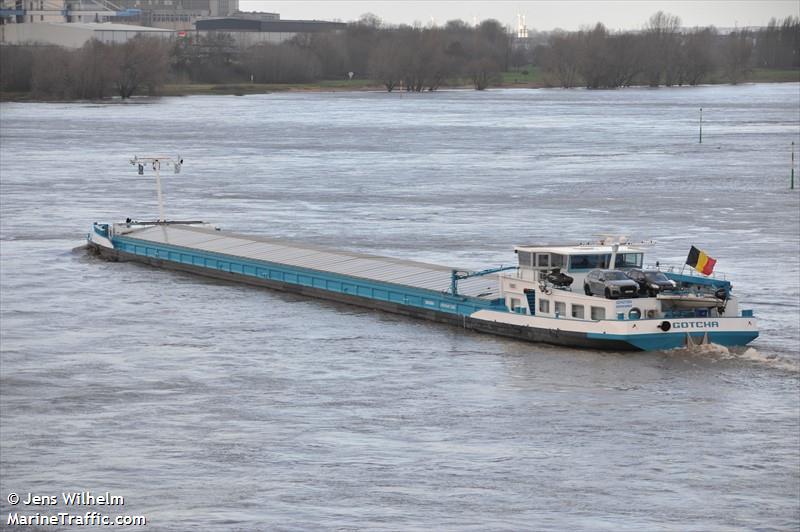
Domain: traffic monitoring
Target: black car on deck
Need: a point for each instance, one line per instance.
(651, 282)
(612, 284)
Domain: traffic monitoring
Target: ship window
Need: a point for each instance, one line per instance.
(598, 313)
(544, 305)
(588, 262)
(628, 260)
(577, 311)
(557, 261)
(561, 308)
(514, 303)
(543, 260)
(525, 258)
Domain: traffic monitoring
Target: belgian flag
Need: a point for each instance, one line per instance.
(700, 261)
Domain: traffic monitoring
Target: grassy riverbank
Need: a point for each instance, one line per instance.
(529, 77)
(183, 89)
(532, 77)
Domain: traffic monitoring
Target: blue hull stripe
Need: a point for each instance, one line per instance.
(655, 341)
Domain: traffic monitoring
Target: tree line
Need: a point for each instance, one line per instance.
(410, 58)
(95, 71)
(664, 54)
(397, 57)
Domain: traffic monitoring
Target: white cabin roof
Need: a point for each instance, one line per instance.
(583, 249)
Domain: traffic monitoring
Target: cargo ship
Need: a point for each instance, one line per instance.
(577, 295)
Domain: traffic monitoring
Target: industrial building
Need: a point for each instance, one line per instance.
(168, 14)
(71, 23)
(54, 11)
(179, 14)
(75, 34)
(251, 29)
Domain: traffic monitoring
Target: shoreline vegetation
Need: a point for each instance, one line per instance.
(515, 79)
(511, 80)
(370, 55)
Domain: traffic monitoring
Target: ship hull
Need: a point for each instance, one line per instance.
(593, 335)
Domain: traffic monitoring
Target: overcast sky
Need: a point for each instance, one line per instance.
(541, 15)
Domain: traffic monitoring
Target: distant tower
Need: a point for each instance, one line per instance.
(522, 29)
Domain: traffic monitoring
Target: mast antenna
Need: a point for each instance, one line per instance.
(155, 163)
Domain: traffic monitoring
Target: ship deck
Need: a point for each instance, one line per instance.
(358, 265)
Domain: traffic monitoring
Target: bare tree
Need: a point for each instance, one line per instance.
(332, 53)
(736, 55)
(93, 67)
(483, 72)
(51, 73)
(698, 60)
(625, 58)
(562, 59)
(595, 60)
(385, 62)
(141, 62)
(778, 45)
(661, 46)
(15, 68)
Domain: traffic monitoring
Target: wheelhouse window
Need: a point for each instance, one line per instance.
(560, 308)
(577, 311)
(589, 262)
(544, 306)
(603, 261)
(525, 258)
(543, 260)
(629, 260)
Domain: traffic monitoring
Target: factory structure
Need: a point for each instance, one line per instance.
(166, 14)
(250, 29)
(72, 23)
(75, 34)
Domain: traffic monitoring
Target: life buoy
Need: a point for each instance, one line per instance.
(634, 314)
(651, 313)
(665, 326)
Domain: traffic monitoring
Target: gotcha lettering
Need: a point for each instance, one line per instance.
(695, 324)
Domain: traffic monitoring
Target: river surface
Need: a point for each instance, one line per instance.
(213, 406)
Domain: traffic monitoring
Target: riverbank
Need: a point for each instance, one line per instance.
(522, 79)
(530, 78)
(526, 79)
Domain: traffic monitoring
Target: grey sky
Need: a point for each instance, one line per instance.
(541, 15)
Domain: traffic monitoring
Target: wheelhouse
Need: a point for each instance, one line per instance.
(576, 260)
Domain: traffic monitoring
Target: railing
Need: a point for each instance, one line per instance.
(684, 269)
